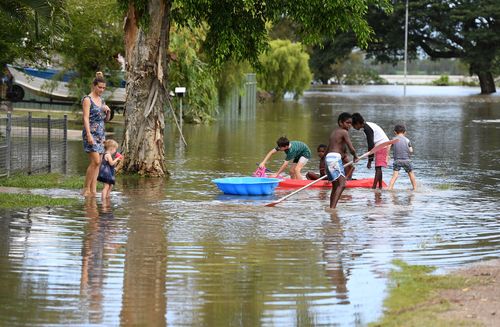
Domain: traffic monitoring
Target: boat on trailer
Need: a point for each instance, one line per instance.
(53, 85)
(354, 183)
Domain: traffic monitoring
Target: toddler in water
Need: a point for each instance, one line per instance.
(107, 169)
(402, 151)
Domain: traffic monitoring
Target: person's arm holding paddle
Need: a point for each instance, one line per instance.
(348, 142)
(371, 144)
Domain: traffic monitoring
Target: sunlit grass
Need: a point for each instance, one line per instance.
(414, 299)
(43, 181)
(13, 200)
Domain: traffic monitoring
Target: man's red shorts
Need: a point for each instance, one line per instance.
(381, 158)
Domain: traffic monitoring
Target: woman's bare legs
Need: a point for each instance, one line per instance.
(90, 185)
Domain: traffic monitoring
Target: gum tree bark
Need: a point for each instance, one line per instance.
(147, 73)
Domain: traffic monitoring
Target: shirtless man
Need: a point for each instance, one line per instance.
(339, 140)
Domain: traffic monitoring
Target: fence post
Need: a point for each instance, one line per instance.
(65, 144)
(8, 131)
(49, 144)
(30, 134)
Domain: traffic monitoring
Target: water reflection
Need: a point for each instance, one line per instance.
(176, 252)
(144, 281)
(334, 255)
(97, 235)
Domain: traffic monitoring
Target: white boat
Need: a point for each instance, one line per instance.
(40, 82)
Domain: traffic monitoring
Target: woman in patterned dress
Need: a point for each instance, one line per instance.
(95, 113)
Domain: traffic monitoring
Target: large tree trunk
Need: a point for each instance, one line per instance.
(146, 62)
(486, 82)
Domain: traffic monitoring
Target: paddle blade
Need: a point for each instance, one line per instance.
(272, 204)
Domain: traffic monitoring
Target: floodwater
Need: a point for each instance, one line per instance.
(176, 252)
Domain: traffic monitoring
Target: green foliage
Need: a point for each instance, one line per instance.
(425, 67)
(9, 201)
(188, 70)
(443, 80)
(353, 71)
(331, 51)
(237, 28)
(468, 30)
(30, 29)
(42, 181)
(93, 42)
(231, 74)
(284, 68)
(410, 293)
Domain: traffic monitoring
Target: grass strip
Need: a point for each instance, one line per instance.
(12, 200)
(414, 299)
(52, 180)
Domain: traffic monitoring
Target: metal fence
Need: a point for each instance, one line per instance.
(30, 145)
(242, 103)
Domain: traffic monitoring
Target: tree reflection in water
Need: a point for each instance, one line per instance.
(144, 284)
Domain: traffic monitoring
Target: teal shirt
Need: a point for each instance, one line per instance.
(297, 149)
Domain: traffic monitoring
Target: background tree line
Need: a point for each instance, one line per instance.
(206, 43)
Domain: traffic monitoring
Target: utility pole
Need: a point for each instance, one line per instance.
(406, 48)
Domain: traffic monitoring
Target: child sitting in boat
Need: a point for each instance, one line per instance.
(295, 151)
(322, 168)
(402, 151)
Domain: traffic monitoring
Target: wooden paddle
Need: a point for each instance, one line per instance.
(375, 149)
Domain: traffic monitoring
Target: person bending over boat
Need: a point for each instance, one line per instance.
(295, 151)
(374, 136)
(95, 113)
(339, 140)
(322, 167)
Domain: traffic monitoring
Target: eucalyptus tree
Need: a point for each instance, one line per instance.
(236, 29)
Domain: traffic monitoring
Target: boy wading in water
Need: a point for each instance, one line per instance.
(374, 136)
(295, 151)
(402, 151)
(336, 150)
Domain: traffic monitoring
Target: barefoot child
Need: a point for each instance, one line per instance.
(336, 150)
(374, 136)
(322, 168)
(107, 169)
(402, 151)
(295, 151)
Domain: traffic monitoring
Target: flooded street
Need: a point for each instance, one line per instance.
(177, 252)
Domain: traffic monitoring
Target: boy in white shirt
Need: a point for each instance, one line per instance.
(374, 136)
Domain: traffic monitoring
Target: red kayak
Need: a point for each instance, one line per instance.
(297, 183)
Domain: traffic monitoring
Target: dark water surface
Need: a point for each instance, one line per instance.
(176, 252)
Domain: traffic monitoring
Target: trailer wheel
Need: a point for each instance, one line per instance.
(16, 93)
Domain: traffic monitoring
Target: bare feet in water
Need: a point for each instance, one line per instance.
(86, 193)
